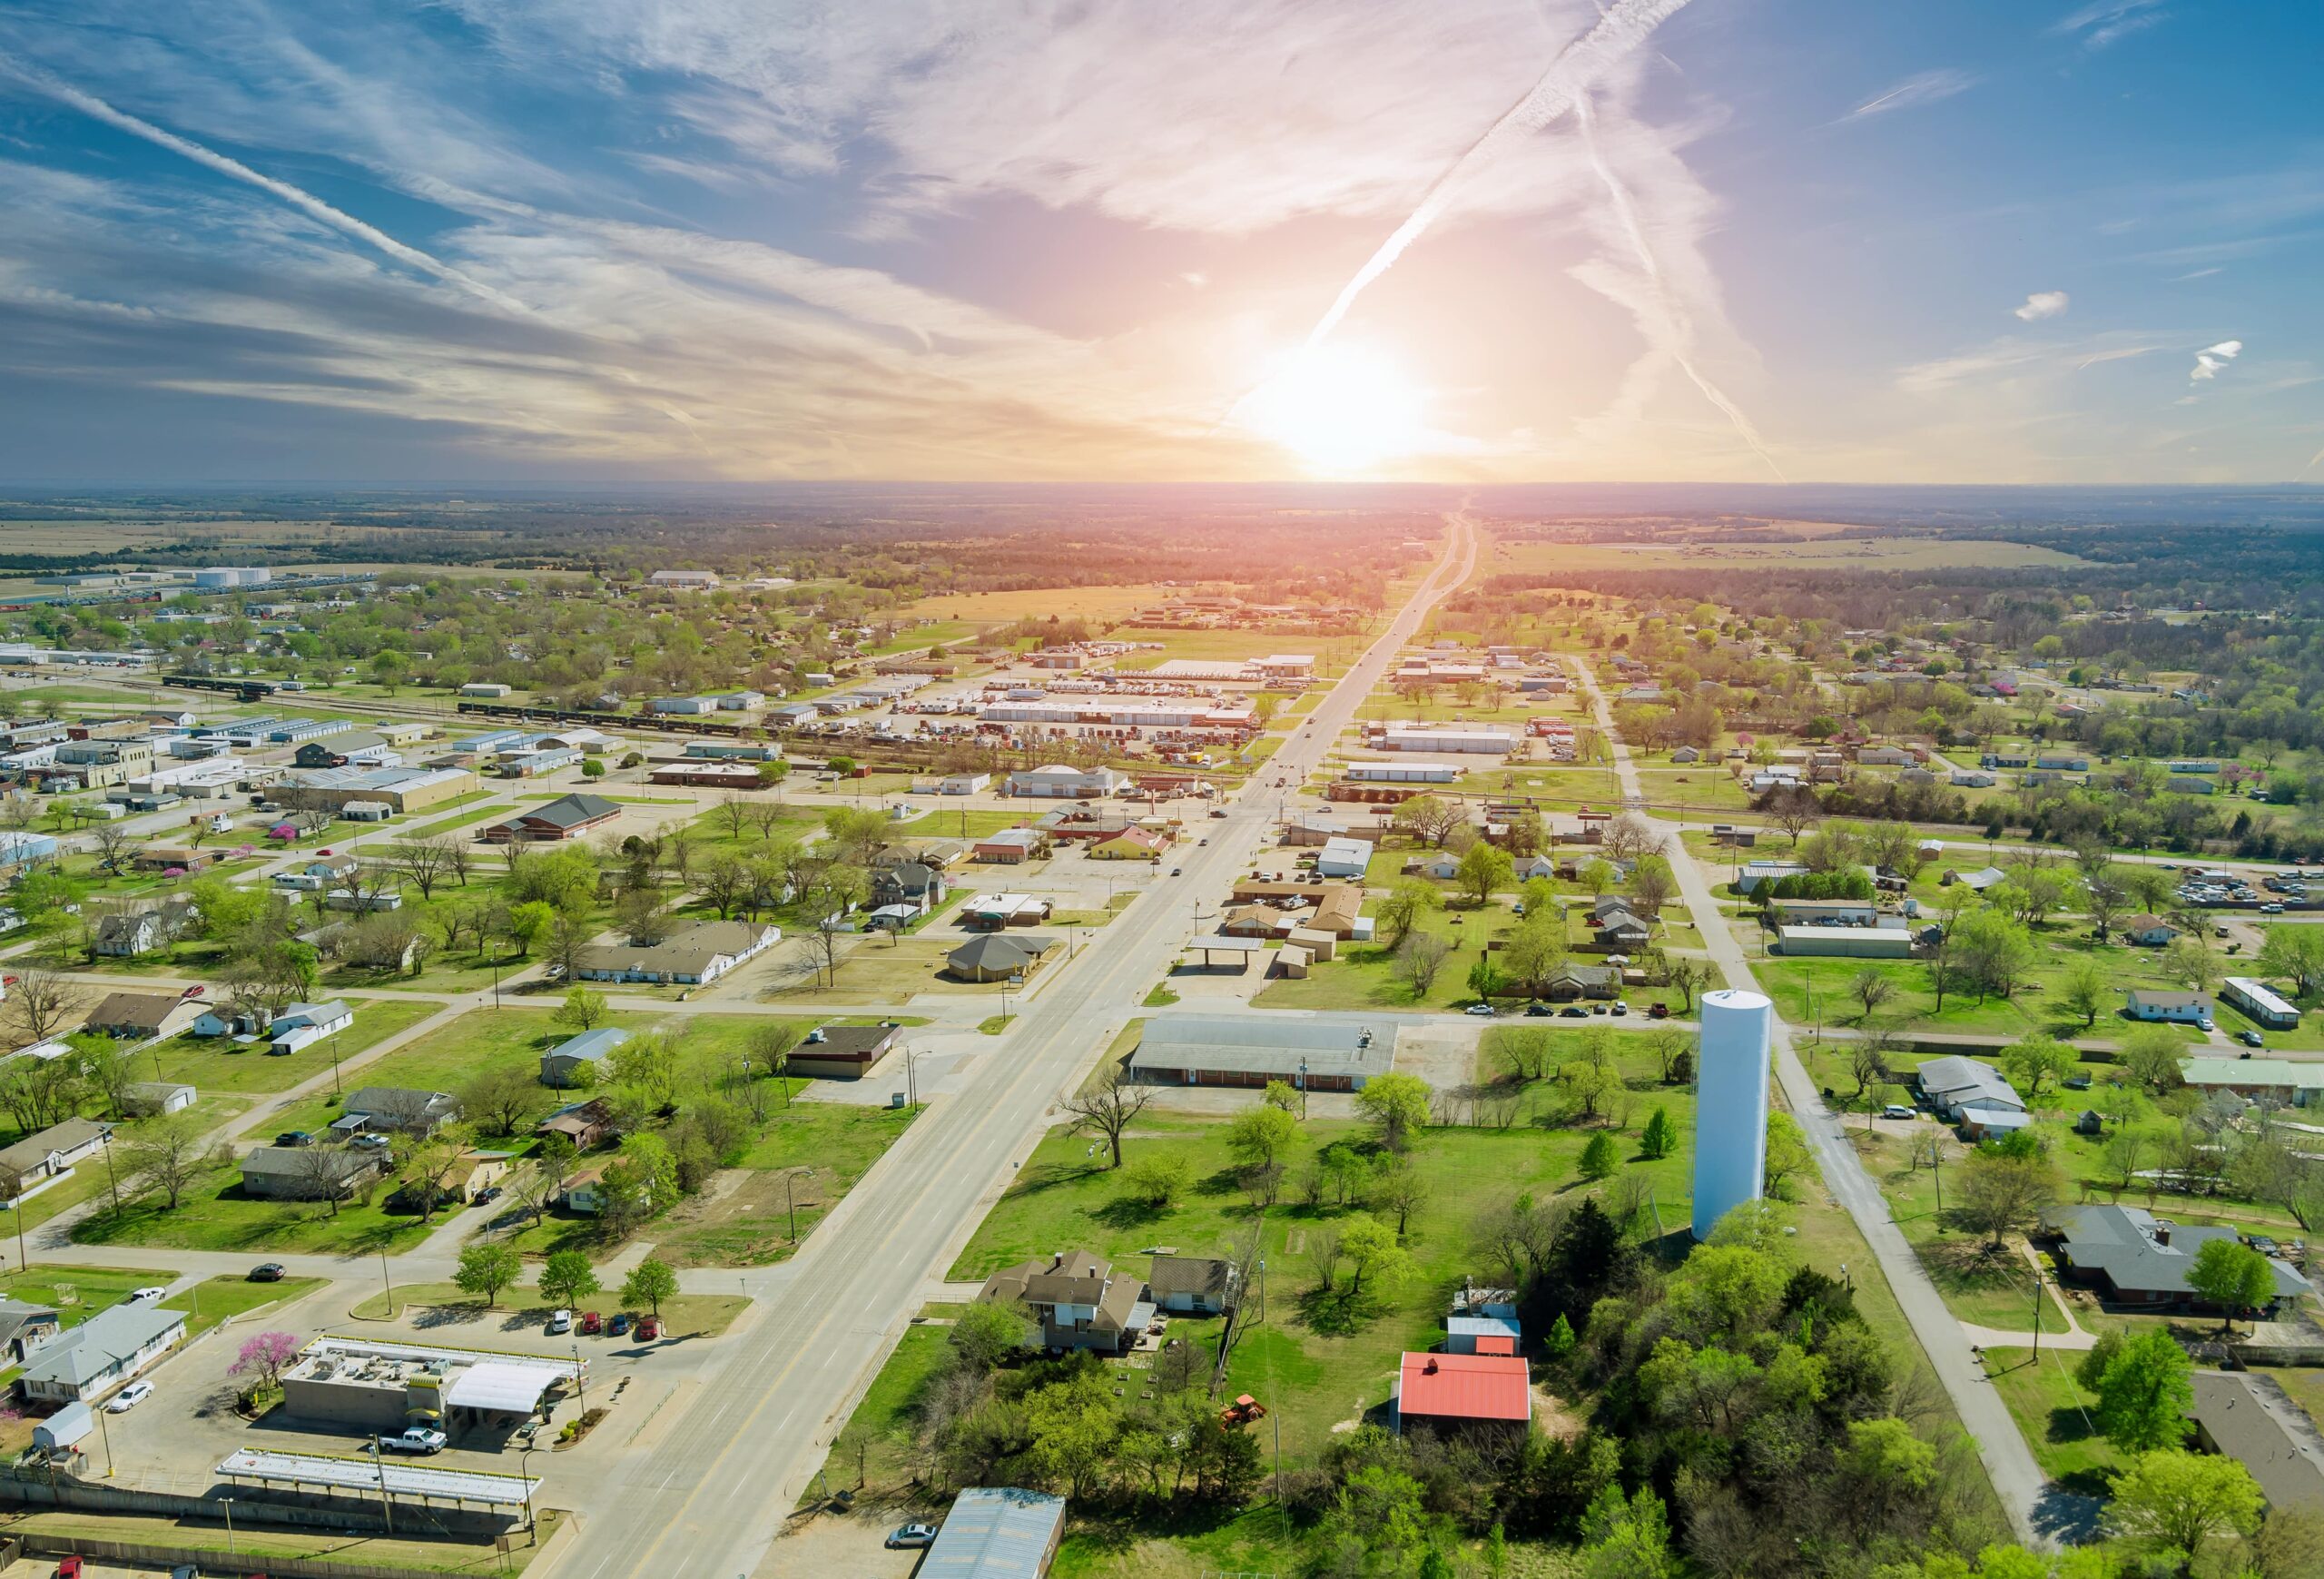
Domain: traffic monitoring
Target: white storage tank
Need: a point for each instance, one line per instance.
(1730, 1104)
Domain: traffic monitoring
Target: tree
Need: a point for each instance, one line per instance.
(2296, 953)
(1872, 988)
(527, 923)
(649, 1283)
(1590, 1082)
(500, 1100)
(568, 1278)
(2144, 1391)
(40, 1002)
(1537, 946)
(1408, 899)
(1660, 1136)
(2037, 1063)
(2150, 1055)
(425, 862)
(772, 1042)
(1397, 1105)
(430, 1164)
(1401, 1188)
(584, 1009)
(1484, 868)
(1373, 1256)
(486, 1269)
(1787, 1153)
(2175, 1502)
(1158, 1178)
(2084, 990)
(1598, 1159)
(1690, 976)
(168, 1153)
(1108, 1109)
(1418, 958)
(2232, 1276)
(2189, 960)
(1627, 1540)
(1794, 809)
(1999, 1192)
(1427, 819)
(986, 1334)
(1262, 1137)
(263, 1355)
(1487, 980)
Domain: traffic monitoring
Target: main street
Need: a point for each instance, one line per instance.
(711, 1492)
(2016, 1477)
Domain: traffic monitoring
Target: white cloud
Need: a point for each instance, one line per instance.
(2104, 21)
(1926, 88)
(2212, 359)
(2042, 305)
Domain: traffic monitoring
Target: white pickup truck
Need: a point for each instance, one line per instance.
(417, 1439)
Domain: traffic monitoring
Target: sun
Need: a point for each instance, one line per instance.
(1341, 409)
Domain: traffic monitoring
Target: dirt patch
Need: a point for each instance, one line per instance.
(747, 1222)
(1553, 1418)
(821, 1544)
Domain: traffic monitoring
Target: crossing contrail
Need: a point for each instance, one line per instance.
(1666, 323)
(305, 202)
(1621, 29)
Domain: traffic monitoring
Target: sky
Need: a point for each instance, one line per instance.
(1457, 240)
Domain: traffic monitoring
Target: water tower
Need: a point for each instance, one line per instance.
(1730, 1104)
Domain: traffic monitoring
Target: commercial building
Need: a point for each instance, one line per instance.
(1058, 782)
(844, 1052)
(1404, 772)
(1325, 1053)
(2252, 1078)
(996, 958)
(561, 1064)
(1344, 858)
(567, 818)
(405, 789)
(997, 1532)
(703, 952)
(1447, 737)
(1855, 942)
(385, 1386)
(218, 575)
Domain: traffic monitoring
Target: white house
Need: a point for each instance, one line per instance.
(89, 1361)
(2177, 1008)
(964, 784)
(1342, 858)
(304, 1024)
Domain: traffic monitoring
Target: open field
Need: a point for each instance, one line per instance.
(2053, 1412)
(1855, 554)
(1108, 604)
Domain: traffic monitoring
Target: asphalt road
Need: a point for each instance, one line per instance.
(2035, 1511)
(711, 1492)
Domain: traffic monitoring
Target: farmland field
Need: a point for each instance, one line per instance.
(1548, 559)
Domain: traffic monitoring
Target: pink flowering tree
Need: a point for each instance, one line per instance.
(263, 1357)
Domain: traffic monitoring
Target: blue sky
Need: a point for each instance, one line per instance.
(1999, 241)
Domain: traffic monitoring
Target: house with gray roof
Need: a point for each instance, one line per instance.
(562, 1065)
(104, 1351)
(2130, 1256)
(2248, 1418)
(1952, 1084)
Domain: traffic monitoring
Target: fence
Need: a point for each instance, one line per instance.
(141, 1555)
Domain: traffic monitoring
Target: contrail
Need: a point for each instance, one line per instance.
(305, 202)
(1676, 330)
(1618, 31)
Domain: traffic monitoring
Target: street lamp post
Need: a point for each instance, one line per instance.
(1303, 1086)
(228, 1503)
(525, 1474)
(388, 1282)
(112, 1178)
(24, 1262)
(580, 1378)
(789, 1205)
(106, 1432)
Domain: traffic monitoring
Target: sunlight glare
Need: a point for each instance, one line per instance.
(1341, 409)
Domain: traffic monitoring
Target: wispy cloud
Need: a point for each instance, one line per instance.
(2042, 305)
(2104, 21)
(2213, 358)
(1926, 88)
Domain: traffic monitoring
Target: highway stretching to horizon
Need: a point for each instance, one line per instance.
(710, 1491)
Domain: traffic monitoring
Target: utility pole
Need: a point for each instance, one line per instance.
(387, 1510)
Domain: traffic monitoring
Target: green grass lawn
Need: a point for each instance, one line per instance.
(2051, 1409)
(214, 1214)
(467, 819)
(1809, 991)
(219, 1064)
(1318, 1366)
(820, 1149)
(76, 1293)
(213, 1299)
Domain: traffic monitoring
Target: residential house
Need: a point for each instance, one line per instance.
(25, 1328)
(996, 958)
(304, 1024)
(2260, 1003)
(2130, 1256)
(1078, 1300)
(52, 1153)
(309, 1172)
(130, 936)
(563, 1064)
(85, 1362)
(1192, 1285)
(1969, 1091)
(2248, 1418)
(1136, 844)
(701, 953)
(2148, 930)
(914, 883)
(1567, 982)
(586, 1124)
(395, 1110)
(2280, 1079)
(148, 1099)
(2173, 1007)
(143, 1016)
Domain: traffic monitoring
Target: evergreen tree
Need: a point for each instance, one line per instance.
(1660, 1136)
(1598, 1159)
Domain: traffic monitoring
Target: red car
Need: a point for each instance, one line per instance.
(649, 1328)
(592, 1323)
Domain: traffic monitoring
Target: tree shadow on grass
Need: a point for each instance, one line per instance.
(1124, 1212)
(1334, 1314)
(1053, 1175)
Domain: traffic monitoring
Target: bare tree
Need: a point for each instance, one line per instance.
(1794, 809)
(112, 839)
(40, 1003)
(425, 862)
(167, 1154)
(1418, 958)
(734, 811)
(1108, 1107)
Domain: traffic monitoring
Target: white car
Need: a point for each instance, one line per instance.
(560, 1321)
(152, 1294)
(129, 1397)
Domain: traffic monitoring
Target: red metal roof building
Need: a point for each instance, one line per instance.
(1449, 1392)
